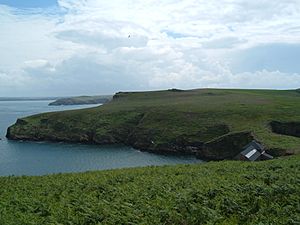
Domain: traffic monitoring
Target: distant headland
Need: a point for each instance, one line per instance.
(82, 100)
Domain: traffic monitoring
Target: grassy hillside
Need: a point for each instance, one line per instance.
(212, 193)
(178, 121)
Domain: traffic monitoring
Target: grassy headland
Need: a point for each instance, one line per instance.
(212, 193)
(82, 100)
(212, 123)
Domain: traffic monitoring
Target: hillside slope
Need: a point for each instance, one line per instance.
(211, 123)
(219, 193)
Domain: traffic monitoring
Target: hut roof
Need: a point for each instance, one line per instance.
(254, 145)
(252, 151)
(251, 154)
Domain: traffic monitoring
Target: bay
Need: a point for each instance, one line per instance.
(41, 158)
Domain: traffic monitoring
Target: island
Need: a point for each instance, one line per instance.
(213, 124)
(82, 100)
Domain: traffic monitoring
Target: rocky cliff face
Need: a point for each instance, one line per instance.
(226, 146)
(286, 128)
(146, 139)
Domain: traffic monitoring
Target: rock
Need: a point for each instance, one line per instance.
(225, 147)
(175, 90)
(276, 152)
(121, 94)
(286, 128)
(143, 139)
(104, 139)
(8, 133)
(21, 122)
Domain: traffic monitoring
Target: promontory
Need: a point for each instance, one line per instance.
(213, 124)
(82, 100)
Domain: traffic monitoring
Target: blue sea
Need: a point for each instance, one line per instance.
(41, 158)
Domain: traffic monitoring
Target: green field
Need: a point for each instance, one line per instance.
(226, 193)
(176, 121)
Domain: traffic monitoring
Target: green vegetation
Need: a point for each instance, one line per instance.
(193, 121)
(217, 193)
(82, 100)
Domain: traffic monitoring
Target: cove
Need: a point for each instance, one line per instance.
(41, 158)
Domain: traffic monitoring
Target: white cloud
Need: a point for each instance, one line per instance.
(98, 46)
(265, 79)
(36, 63)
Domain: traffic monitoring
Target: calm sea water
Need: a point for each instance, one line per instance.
(40, 158)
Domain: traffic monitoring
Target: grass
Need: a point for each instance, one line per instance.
(213, 193)
(153, 120)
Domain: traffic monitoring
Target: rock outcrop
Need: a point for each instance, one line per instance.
(286, 128)
(225, 147)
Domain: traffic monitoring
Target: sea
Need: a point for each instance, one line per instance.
(18, 158)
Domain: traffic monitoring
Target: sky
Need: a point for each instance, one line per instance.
(76, 47)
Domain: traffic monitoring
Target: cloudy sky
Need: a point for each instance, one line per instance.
(74, 47)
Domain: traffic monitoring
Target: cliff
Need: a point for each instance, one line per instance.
(210, 123)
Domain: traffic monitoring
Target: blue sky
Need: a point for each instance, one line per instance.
(278, 56)
(76, 47)
(29, 3)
